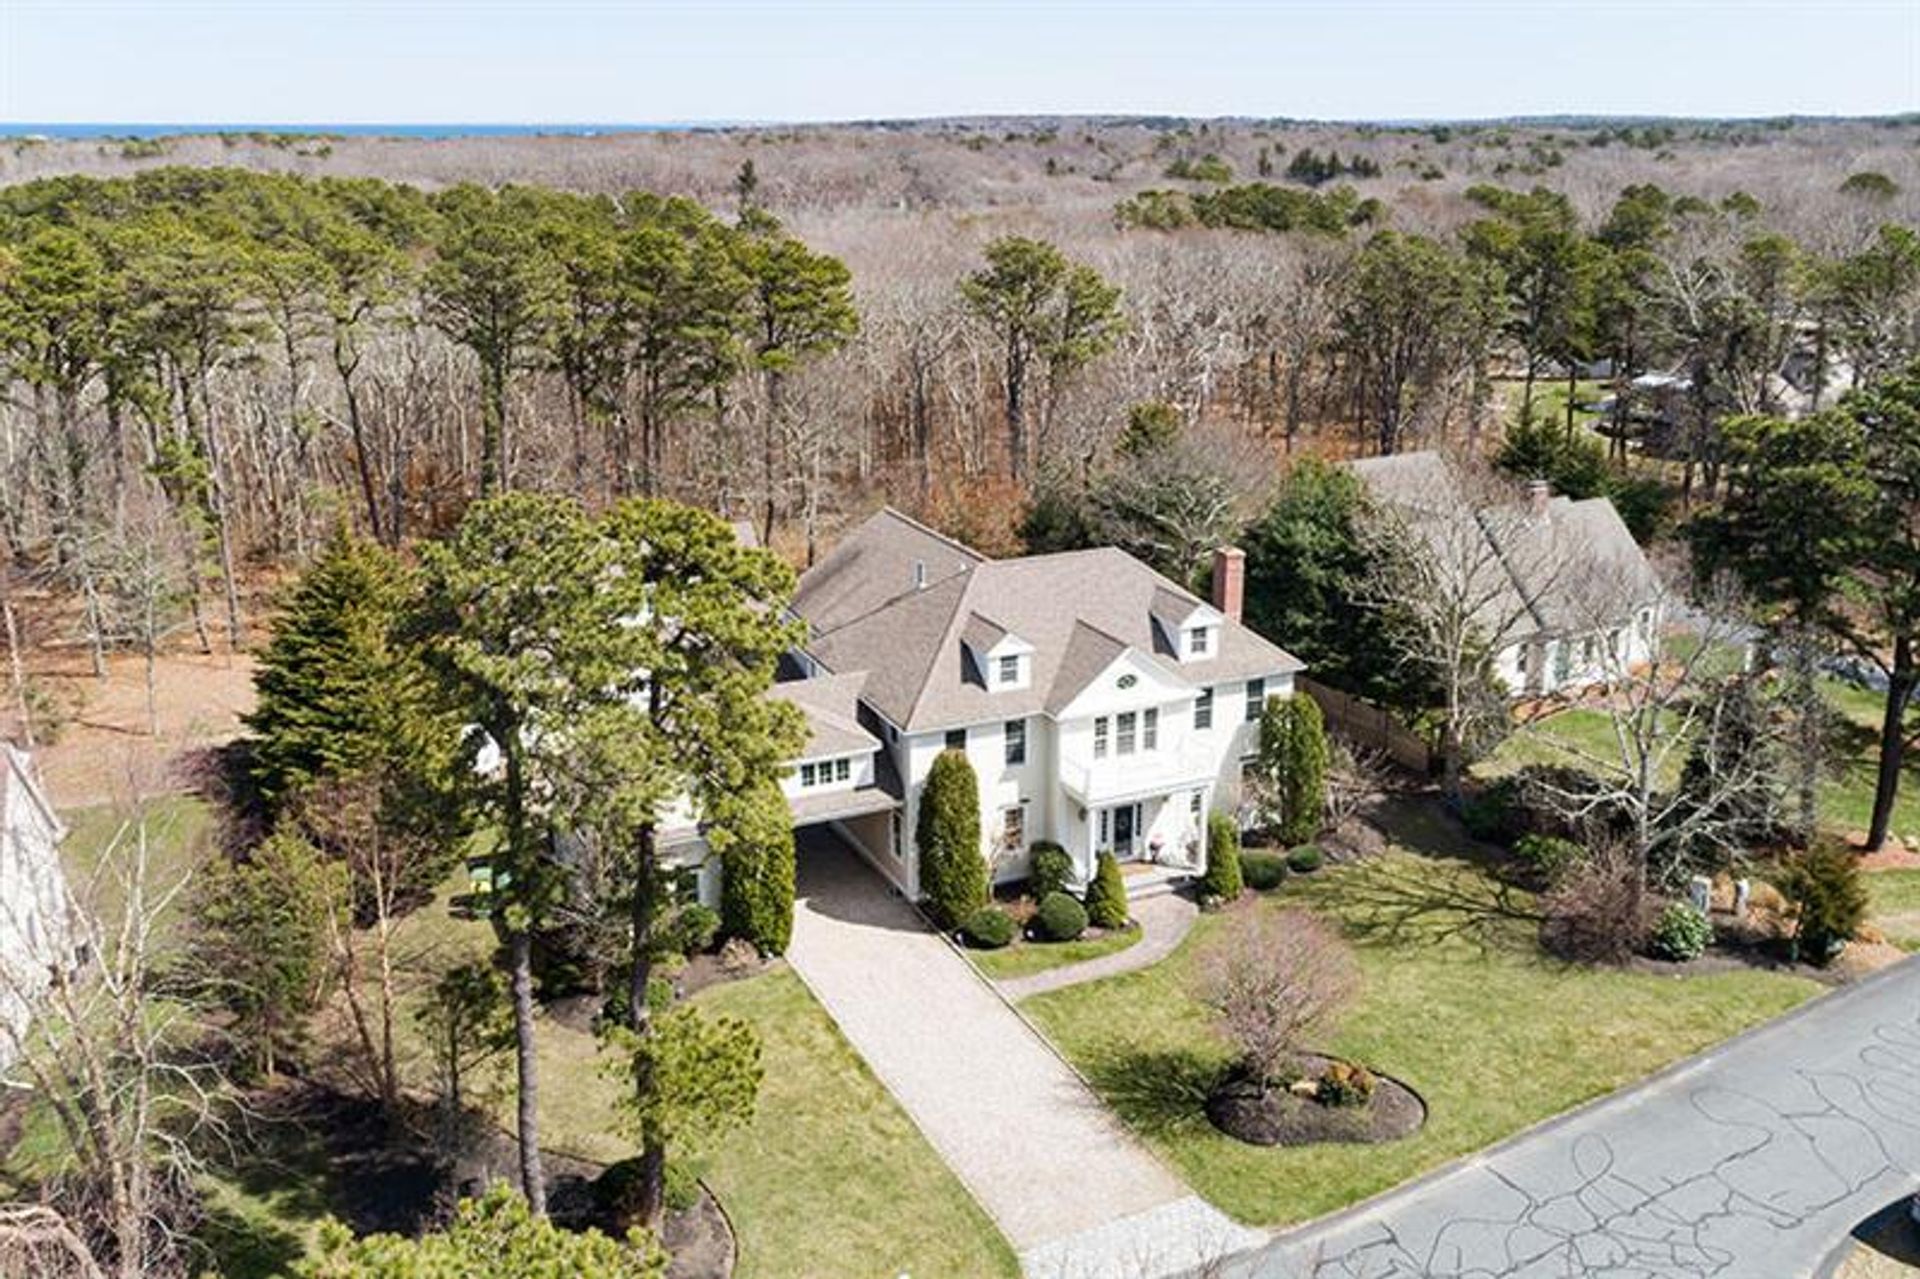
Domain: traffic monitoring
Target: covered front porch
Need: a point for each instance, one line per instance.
(1161, 829)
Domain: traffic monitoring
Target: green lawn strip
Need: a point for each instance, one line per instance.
(1025, 958)
(1896, 905)
(1457, 1002)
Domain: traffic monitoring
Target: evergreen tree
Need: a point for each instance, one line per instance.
(1223, 879)
(1106, 898)
(259, 943)
(753, 836)
(1292, 766)
(953, 874)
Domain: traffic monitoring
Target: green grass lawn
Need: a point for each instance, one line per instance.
(1896, 905)
(831, 1178)
(1458, 1001)
(1024, 958)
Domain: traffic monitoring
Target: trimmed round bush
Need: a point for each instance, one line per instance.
(1107, 894)
(1547, 856)
(1223, 879)
(1681, 933)
(1048, 869)
(988, 928)
(1060, 918)
(1263, 871)
(1305, 859)
(1346, 1083)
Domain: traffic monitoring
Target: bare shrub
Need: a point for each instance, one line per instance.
(1599, 912)
(1276, 981)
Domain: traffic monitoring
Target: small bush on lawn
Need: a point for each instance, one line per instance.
(1547, 857)
(1263, 871)
(1107, 894)
(1489, 815)
(1305, 859)
(1049, 869)
(689, 930)
(1681, 933)
(1060, 918)
(988, 928)
(1223, 880)
(1599, 913)
(1829, 903)
(1345, 1083)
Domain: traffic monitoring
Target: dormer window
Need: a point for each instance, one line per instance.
(1008, 672)
(995, 658)
(1199, 641)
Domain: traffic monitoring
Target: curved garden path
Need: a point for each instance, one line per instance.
(1164, 922)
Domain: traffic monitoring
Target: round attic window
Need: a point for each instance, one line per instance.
(1128, 681)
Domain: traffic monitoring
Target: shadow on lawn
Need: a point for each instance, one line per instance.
(1159, 1091)
(1402, 901)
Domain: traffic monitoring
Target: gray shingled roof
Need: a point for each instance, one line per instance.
(1079, 610)
(831, 704)
(1574, 568)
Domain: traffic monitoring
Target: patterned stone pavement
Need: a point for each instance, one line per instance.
(1752, 1161)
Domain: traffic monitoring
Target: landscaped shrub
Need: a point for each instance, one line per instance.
(1681, 933)
(1048, 869)
(1305, 859)
(988, 928)
(1060, 917)
(1547, 857)
(1263, 871)
(1290, 775)
(1822, 887)
(690, 929)
(1277, 981)
(953, 874)
(1345, 1083)
(1107, 894)
(1223, 880)
(753, 833)
(1599, 911)
(1488, 814)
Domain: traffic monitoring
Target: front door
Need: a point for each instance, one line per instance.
(1125, 819)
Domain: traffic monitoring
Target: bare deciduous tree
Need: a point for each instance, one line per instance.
(1276, 981)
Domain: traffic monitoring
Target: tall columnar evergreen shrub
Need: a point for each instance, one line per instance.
(953, 874)
(755, 843)
(1107, 894)
(1292, 767)
(1223, 879)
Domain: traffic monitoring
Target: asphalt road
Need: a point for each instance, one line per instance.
(1752, 1161)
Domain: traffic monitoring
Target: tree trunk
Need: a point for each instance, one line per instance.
(533, 1177)
(1016, 410)
(1893, 740)
(493, 427)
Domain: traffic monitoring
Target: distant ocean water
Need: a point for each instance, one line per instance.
(150, 130)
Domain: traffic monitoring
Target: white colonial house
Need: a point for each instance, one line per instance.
(1102, 706)
(1560, 584)
(37, 933)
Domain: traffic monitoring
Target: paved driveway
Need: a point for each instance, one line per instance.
(1750, 1162)
(1074, 1193)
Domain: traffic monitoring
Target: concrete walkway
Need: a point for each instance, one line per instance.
(1751, 1161)
(1165, 922)
(1073, 1192)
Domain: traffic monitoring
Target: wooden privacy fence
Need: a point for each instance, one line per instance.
(1366, 726)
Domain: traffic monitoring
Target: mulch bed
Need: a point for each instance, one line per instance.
(700, 1241)
(1275, 1117)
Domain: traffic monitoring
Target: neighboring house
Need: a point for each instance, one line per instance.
(1102, 706)
(37, 935)
(1561, 585)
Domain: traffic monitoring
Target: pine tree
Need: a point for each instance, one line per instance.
(953, 874)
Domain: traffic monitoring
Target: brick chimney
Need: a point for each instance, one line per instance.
(1229, 581)
(1539, 493)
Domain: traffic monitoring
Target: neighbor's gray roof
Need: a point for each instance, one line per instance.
(831, 704)
(1079, 610)
(1574, 569)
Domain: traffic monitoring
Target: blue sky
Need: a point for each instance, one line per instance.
(608, 61)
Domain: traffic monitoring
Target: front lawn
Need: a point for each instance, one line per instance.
(1896, 905)
(1025, 958)
(1458, 1002)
